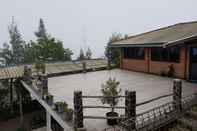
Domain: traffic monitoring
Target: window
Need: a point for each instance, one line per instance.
(165, 54)
(134, 53)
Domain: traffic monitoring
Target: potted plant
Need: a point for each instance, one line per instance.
(60, 106)
(49, 99)
(171, 71)
(110, 90)
(68, 114)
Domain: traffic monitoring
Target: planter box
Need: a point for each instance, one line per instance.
(69, 115)
(112, 121)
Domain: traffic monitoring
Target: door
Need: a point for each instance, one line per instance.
(193, 63)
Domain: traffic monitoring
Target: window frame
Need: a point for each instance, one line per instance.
(137, 53)
(171, 54)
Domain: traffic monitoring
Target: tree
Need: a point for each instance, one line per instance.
(88, 54)
(48, 48)
(67, 54)
(17, 44)
(30, 52)
(81, 55)
(6, 54)
(110, 91)
(41, 33)
(113, 54)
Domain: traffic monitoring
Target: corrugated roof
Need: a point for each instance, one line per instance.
(161, 36)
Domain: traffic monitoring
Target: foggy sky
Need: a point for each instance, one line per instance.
(83, 23)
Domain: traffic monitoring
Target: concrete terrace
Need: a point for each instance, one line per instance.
(147, 86)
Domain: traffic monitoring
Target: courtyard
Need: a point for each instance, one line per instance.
(147, 86)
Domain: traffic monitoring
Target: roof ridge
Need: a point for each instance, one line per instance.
(161, 28)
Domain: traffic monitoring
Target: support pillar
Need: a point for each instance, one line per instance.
(177, 94)
(130, 110)
(48, 124)
(78, 110)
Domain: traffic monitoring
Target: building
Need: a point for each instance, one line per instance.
(161, 51)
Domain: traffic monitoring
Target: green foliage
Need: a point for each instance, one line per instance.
(113, 54)
(88, 54)
(44, 49)
(7, 54)
(110, 90)
(17, 44)
(41, 33)
(49, 49)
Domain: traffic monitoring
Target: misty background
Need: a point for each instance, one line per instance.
(90, 23)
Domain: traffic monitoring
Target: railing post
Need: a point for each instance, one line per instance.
(130, 104)
(27, 76)
(78, 110)
(84, 64)
(44, 88)
(177, 94)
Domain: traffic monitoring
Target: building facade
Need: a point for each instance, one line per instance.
(168, 51)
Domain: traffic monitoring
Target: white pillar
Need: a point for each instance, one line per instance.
(48, 121)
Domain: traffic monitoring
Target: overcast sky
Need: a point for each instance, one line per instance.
(83, 23)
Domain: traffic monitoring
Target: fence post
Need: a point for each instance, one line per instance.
(78, 110)
(177, 94)
(44, 88)
(27, 76)
(84, 66)
(130, 104)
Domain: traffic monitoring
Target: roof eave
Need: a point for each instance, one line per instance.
(137, 45)
(180, 41)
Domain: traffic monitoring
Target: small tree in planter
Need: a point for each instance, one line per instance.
(110, 90)
(60, 106)
(49, 99)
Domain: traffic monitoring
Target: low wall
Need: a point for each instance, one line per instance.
(156, 67)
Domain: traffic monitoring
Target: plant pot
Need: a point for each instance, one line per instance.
(69, 115)
(112, 121)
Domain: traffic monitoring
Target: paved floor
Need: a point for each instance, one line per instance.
(146, 86)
